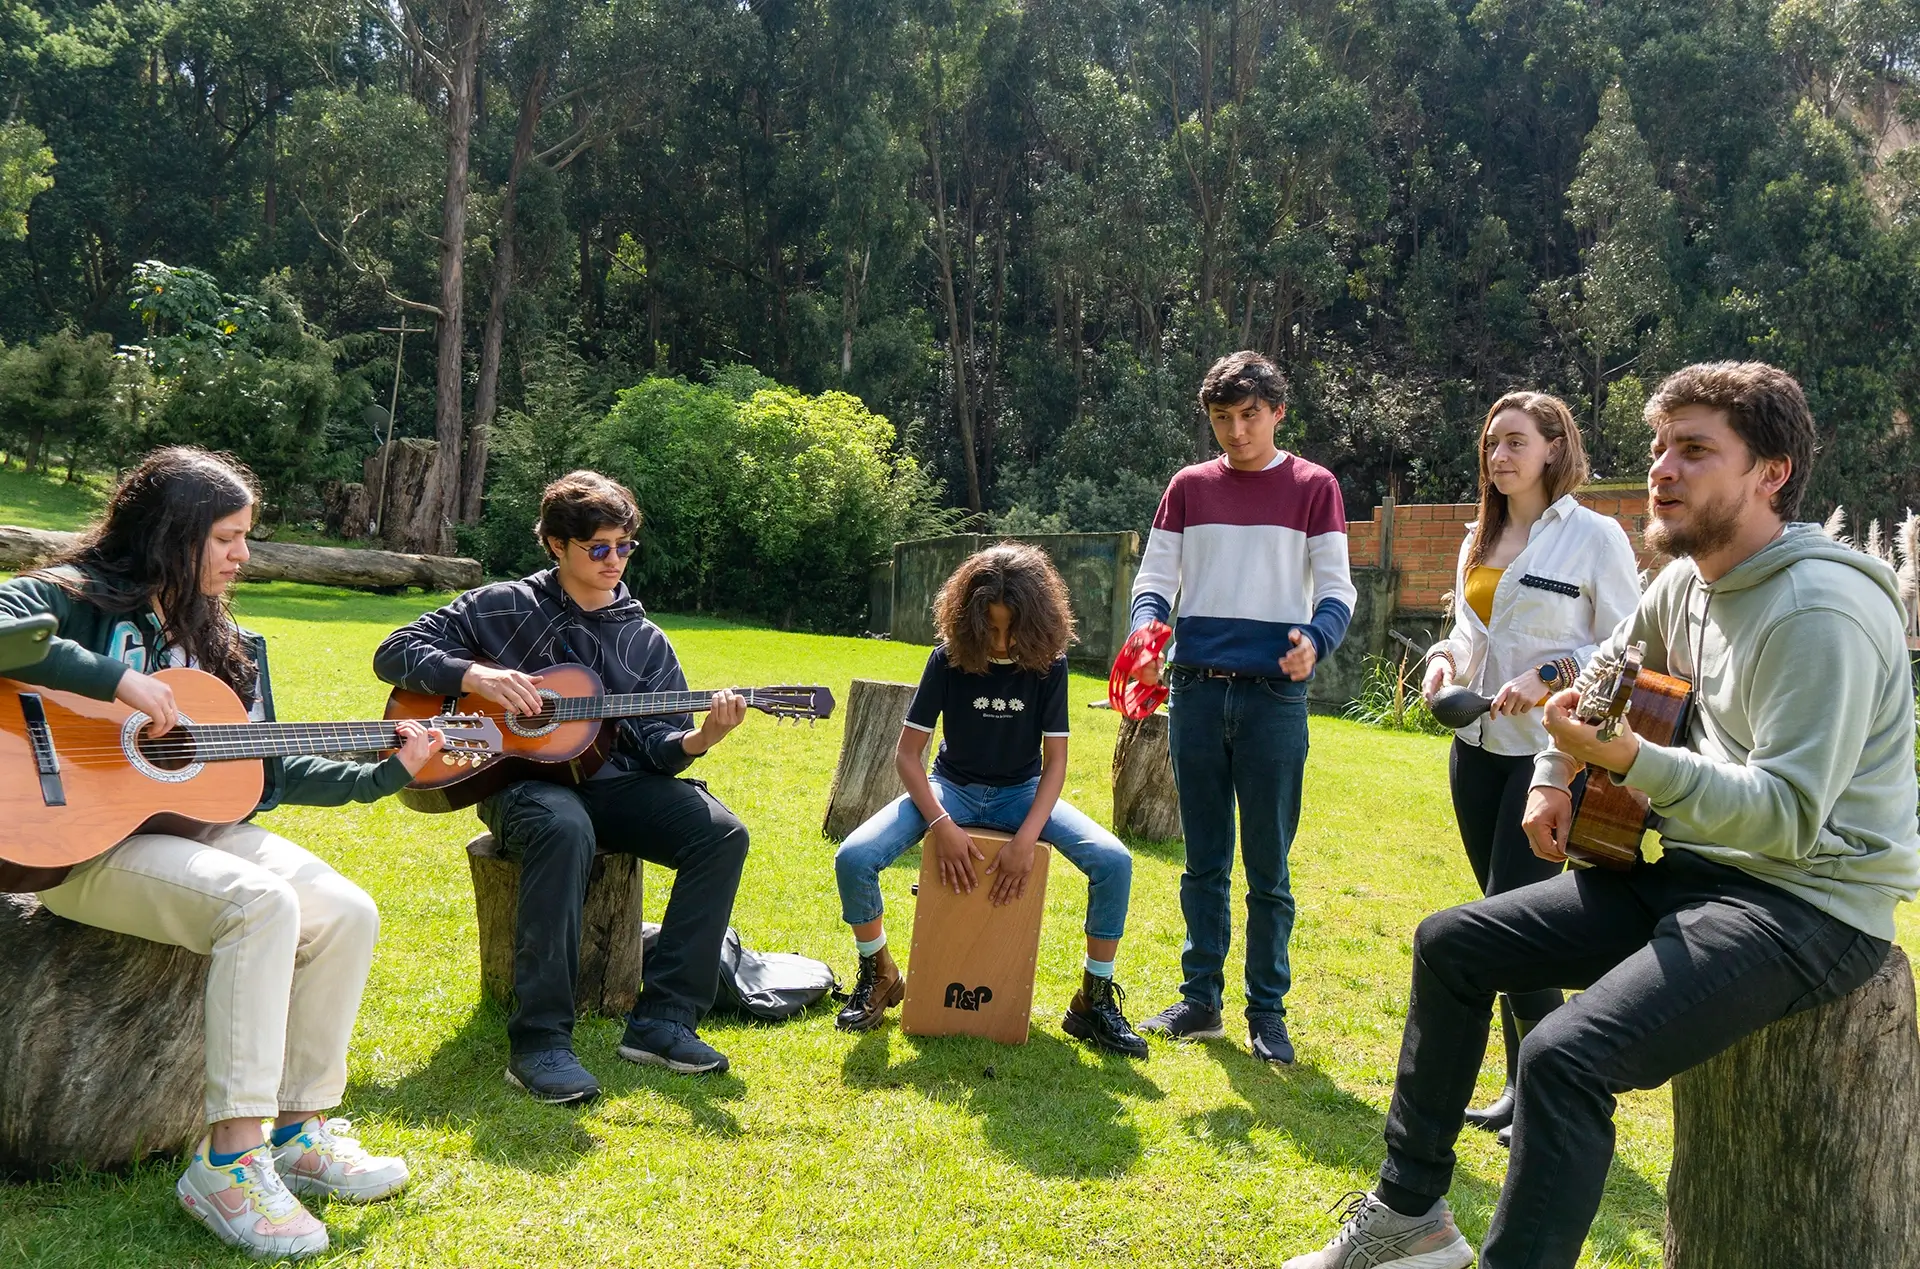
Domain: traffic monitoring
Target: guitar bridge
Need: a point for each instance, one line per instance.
(45, 759)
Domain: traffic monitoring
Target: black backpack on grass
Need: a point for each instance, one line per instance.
(770, 986)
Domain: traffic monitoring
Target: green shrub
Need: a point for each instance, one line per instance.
(1390, 698)
(59, 397)
(755, 498)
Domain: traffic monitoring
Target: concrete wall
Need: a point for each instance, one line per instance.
(1098, 569)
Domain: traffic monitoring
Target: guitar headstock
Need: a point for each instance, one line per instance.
(1604, 704)
(790, 700)
(474, 734)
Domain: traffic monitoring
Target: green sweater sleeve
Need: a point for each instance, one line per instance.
(328, 782)
(1817, 677)
(69, 666)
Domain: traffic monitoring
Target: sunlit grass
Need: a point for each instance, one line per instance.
(825, 1149)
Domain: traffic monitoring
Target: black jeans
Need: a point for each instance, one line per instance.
(553, 831)
(1489, 797)
(1679, 958)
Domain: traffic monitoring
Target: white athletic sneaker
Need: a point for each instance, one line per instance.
(320, 1161)
(246, 1206)
(1377, 1237)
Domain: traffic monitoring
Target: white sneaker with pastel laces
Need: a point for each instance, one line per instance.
(247, 1206)
(322, 1161)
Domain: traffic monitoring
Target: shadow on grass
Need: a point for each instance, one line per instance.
(462, 1087)
(1172, 851)
(1338, 1130)
(1042, 1105)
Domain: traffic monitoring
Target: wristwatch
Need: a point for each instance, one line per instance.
(1558, 673)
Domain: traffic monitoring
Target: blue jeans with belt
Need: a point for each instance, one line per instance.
(889, 832)
(1237, 741)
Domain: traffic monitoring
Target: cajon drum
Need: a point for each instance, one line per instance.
(971, 968)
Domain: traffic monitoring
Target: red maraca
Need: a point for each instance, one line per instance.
(1127, 694)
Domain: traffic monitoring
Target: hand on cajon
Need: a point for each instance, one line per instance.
(971, 968)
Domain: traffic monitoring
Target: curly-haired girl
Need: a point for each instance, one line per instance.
(999, 677)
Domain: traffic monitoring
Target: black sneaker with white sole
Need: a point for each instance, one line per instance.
(553, 1076)
(1271, 1043)
(659, 1042)
(1185, 1020)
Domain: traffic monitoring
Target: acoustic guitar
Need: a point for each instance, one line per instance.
(1610, 819)
(572, 737)
(79, 775)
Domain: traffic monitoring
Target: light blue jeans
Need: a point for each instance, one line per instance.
(898, 825)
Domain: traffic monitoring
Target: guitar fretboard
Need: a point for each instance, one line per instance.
(214, 742)
(635, 704)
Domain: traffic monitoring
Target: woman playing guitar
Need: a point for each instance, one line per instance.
(1541, 581)
(290, 940)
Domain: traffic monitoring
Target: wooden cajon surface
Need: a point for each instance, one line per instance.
(962, 943)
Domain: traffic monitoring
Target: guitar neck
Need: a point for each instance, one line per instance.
(223, 741)
(637, 704)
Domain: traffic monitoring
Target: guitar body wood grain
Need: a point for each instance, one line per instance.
(562, 753)
(107, 797)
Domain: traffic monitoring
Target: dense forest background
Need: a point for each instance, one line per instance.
(1018, 231)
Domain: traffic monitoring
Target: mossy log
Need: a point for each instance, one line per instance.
(284, 562)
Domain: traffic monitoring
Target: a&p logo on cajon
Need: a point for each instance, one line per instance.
(971, 968)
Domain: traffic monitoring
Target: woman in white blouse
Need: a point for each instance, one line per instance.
(1541, 581)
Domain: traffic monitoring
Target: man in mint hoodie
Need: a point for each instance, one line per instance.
(1787, 826)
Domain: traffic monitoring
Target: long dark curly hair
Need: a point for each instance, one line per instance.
(149, 549)
(1022, 578)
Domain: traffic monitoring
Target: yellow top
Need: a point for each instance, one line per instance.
(1480, 583)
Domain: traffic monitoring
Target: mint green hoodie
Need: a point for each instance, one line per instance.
(1798, 760)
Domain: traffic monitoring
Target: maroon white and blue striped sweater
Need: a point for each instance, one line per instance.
(1247, 556)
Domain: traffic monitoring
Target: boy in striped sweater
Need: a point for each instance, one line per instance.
(1253, 546)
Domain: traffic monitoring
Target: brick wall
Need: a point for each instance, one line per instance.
(1426, 540)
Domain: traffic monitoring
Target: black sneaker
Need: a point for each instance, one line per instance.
(1270, 1040)
(1094, 1016)
(1185, 1020)
(553, 1076)
(658, 1042)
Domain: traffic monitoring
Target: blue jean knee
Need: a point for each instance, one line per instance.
(1103, 858)
(885, 836)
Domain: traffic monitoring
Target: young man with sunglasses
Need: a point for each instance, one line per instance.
(495, 640)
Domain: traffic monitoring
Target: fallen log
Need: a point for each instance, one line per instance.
(284, 562)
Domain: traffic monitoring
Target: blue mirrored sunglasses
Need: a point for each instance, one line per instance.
(598, 551)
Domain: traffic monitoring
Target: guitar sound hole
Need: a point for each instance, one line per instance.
(174, 751)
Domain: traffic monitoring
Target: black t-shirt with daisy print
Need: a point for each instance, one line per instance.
(994, 721)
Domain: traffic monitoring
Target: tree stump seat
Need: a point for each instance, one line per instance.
(1146, 805)
(1800, 1145)
(610, 947)
(864, 779)
(102, 1048)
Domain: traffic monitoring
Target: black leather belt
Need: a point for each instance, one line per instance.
(1212, 673)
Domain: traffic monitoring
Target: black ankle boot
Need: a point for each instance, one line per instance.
(1094, 1016)
(1498, 1113)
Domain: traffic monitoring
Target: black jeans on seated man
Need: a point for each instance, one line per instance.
(554, 831)
(1680, 958)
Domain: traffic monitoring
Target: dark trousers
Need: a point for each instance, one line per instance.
(1679, 959)
(554, 831)
(1237, 741)
(1489, 798)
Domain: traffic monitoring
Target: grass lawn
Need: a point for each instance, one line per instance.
(46, 502)
(826, 1149)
